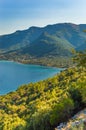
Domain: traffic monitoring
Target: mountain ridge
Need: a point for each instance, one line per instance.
(63, 30)
(50, 42)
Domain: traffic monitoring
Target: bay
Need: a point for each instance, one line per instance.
(13, 74)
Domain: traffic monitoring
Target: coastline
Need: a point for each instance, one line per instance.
(23, 74)
(22, 63)
(46, 62)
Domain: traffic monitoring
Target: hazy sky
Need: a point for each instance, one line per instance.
(21, 14)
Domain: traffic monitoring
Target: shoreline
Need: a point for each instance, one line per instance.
(29, 64)
(27, 79)
(49, 61)
(33, 63)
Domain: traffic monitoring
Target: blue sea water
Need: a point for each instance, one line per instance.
(13, 74)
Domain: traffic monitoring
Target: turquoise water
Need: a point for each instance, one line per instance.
(13, 74)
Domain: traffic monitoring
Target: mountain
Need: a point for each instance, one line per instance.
(19, 38)
(48, 44)
(63, 32)
(51, 45)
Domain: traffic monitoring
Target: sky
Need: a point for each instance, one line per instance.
(21, 14)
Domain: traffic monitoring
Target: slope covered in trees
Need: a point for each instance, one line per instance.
(43, 105)
(67, 32)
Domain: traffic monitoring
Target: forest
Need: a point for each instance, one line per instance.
(45, 104)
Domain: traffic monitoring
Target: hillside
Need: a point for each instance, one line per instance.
(67, 33)
(51, 45)
(45, 104)
(48, 45)
(19, 39)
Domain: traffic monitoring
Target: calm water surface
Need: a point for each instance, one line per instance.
(14, 74)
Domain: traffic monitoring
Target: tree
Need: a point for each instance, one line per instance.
(62, 111)
(80, 58)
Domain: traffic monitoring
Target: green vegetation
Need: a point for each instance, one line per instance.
(53, 61)
(70, 34)
(81, 126)
(50, 45)
(43, 105)
(80, 58)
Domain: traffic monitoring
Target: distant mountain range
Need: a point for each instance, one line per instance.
(51, 40)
